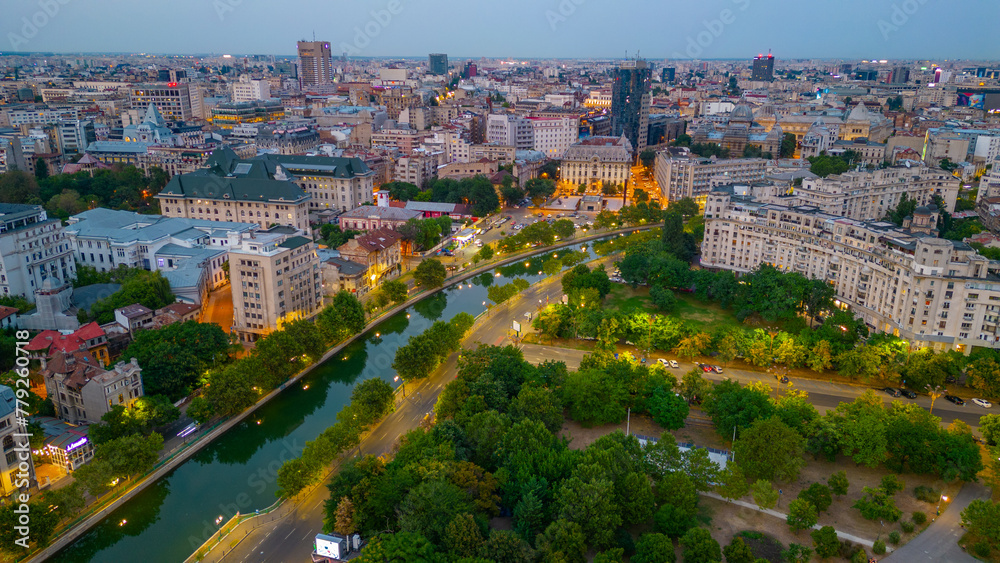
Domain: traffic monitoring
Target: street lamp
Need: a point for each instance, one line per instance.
(942, 499)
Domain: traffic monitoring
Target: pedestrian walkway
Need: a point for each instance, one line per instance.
(783, 516)
(939, 542)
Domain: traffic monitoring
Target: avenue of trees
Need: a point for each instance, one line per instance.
(476, 191)
(68, 194)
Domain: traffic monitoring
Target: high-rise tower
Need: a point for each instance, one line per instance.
(315, 63)
(438, 63)
(763, 68)
(630, 101)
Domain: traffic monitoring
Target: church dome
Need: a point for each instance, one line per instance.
(742, 112)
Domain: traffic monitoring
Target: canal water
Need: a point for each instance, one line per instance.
(169, 520)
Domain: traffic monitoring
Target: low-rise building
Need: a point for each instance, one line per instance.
(460, 170)
(134, 317)
(83, 391)
(372, 217)
(88, 338)
(597, 160)
(67, 445)
(378, 251)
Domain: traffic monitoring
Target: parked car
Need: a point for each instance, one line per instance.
(908, 394)
(892, 391)
(982, 403)
(954, 399)
(674, 364)
(706, 368)
(663, 362)
(717, 369)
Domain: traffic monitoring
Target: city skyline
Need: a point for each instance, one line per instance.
(720, 29)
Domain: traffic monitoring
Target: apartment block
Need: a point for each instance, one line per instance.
(680, 174)
(176, 101)
(933, 292)
(510, 129)
(275, 279)
(33, 248)
(251, 90)
(869, 195)
(553, 135)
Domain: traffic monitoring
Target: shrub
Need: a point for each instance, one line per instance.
(926, 494)
(623, 539)
(981, 549)
(892, 484)
(894, 537)
(859, 556)
(907, 526)
(919, 518)
(878, 547)
(847, 549)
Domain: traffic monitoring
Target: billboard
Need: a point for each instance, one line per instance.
(982, 98)
(971, 99)
(330, 546)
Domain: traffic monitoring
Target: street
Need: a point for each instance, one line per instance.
(290, 538)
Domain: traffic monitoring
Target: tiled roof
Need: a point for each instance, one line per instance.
(379, 239)
(54, 341)
(6, 312)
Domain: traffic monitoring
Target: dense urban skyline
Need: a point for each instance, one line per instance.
(570, 28)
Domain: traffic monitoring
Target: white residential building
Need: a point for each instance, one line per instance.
(33, 248)
(553, 135)
(251, 89)
(680, 174)
(933, 292)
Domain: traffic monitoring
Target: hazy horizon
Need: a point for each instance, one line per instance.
(521, 29)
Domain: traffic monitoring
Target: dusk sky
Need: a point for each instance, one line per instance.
(853, 29)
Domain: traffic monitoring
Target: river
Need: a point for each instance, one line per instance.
(170, 519)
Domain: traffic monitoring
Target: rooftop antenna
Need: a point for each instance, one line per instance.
(314, 36)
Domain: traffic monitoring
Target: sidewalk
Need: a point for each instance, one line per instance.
(939, 542)
(783, 516)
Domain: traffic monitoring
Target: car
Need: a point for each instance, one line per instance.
(663, 362)
(674, 364)
(560, 215)
(706, 368)
(982, 403)
(783, 379)
(954, 399)
(908, 394)
(892, 391)
(717, 369)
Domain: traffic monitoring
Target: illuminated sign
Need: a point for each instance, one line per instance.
(76, 444)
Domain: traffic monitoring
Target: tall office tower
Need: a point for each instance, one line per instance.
(630, 101)
(900, 75)
(438, 63)
(763, 67)
(315, 63)
(668, 74)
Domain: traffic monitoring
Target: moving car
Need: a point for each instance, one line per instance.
(663, 362)
(892, 391)
(982, 403)
(717, 369)
(908, 394)
(706, 368)
(674, 364)
(954, 399)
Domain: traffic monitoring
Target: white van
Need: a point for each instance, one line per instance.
(479, 243)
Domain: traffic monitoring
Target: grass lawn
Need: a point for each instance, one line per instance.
(702, 315)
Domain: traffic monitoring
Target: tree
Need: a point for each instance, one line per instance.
(984, 374)
(826, 542)
(764, 494)
(396, 290)
(539, 188)
(788, 144)
(732, 482)
(552, 266)
(694, 385)
(116, 423)
(732, 405)
(672, 521)
(563, 228)
(877, 504)
(593, 398)
(200, 410)
(529, 516)
(344, 523)
(989, 426)
(17, 186)
(838, 483)
(982, 519)
(344, 317)
(371, 400)
(562, 541)
(511, 194)
(678, 489)
(796, 554)
(771, 450)
(400, 546)
(591, 505)
(503, 546)
(647, 157)
(891, 484)
(486, 252)
(430, 273)
(802, 515)
(663, 298)
(429, 507)
(738, 551)
(700, 547)
(129, 455)
(654, 548)
(669, 410)
(818, 495)
(462, 537)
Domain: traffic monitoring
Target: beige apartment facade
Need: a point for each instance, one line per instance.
(680, 174)
(933, 292)
(275, 279)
